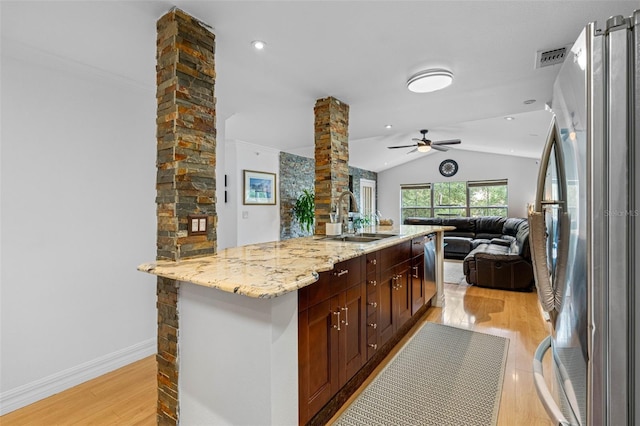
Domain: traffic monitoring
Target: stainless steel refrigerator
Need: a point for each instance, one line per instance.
(585, 231)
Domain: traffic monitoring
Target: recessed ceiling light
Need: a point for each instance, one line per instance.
(529, 101)
(388, 126)
(430, 80)
(258, 44)
(509, 118)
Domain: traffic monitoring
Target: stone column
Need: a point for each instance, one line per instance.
(331, 155)
(186, 180)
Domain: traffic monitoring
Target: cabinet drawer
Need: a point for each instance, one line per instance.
(372, 345)
(417, 246)
(372, 324)
(372, 284)
(393, 255)
(346, 274)
(316, 292)
(372, 261)
(372, 303)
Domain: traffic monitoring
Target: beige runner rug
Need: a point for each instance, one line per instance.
(443, 376)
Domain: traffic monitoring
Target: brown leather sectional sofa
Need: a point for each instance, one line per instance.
(495, 249)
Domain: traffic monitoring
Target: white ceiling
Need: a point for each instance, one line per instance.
(361, 52)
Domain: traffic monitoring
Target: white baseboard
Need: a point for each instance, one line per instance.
(35, 391)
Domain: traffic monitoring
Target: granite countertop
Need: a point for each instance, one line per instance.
(272, 269)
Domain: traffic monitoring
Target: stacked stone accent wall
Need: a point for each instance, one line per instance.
(296, 174)
(185, 182)
(186, 135)
(331, 156)
(167, 356)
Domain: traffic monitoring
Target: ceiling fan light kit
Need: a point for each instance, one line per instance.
(430, 80)
(426, 145)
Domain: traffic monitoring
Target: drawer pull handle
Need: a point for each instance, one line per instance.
(373, 304)
(373, 324)
(346, 315)
(374, 261)
(373, 345)
(373, 283)
(341, 272)
(337, 327)
(415, 274)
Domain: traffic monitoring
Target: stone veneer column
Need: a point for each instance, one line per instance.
(332, 156)
(186, 144)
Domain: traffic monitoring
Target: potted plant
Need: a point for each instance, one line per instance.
(304, 210)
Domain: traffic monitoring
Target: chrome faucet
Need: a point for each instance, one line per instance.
(345, 220)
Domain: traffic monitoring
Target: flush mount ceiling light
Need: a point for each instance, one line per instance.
(430, 80)
(258, 44)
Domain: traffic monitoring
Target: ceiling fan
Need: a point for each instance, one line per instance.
(425, 145)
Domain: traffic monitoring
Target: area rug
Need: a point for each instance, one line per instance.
(453, 272)
(443, 376)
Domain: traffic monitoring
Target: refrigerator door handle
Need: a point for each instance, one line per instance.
(541, 386)
(537, 226)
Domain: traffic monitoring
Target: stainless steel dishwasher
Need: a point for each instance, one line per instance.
(430, 260)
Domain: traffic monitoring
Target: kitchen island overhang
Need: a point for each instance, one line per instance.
(271, 269)
(238, 356)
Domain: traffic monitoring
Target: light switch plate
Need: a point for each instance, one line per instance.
(197, 224)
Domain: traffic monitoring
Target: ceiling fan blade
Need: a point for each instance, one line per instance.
(401, 146)
(447, 142)
(413, 150)
(416, 139)
(439, 148)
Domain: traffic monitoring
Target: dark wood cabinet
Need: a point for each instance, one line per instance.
(332, 334)
(351, 313)
(394, 307)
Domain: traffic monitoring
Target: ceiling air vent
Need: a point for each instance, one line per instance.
(548, 57)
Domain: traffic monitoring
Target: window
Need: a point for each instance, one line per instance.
(415, 201)
(450, 199)
(488, 198)
(447, 199)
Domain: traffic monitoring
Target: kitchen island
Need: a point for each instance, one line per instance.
(239, 344)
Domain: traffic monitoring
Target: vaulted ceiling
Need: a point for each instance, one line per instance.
(361, 52)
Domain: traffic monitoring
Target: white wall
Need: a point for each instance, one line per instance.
(254, 223)
(520, 172)
(78, 216)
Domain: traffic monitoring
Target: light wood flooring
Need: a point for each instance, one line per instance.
(128, 397)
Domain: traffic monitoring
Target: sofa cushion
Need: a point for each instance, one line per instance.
(423, 221)
(502, 241)
(457, 244)
(489, 225)
(465, 227)
(476, 242)
(512, 225)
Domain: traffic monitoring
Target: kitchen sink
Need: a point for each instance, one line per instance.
(376, 235)
(360, 238)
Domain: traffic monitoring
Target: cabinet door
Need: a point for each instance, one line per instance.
(417, 284)
(318, 358)
(386, 320)
(402, 296)
(353, 332)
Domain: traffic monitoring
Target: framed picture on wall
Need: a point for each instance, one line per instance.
(259, 187)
